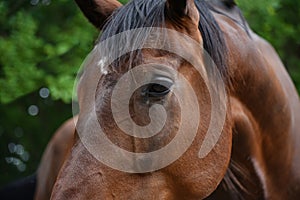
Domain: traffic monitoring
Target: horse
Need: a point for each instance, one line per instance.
(53, 158)
(256, 154)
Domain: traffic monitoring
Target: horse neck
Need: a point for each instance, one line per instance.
(265, 109)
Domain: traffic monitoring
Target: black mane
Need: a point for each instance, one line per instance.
(213, 40)
(151, 13)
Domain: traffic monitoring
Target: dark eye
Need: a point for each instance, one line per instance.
(157, 90)
(160, 88)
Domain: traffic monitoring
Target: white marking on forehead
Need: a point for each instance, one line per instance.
(102, 65)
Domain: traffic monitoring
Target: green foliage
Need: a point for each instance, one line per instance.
(123, 1)
(41, 45)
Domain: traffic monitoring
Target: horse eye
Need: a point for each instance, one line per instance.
(160, 88)
(157, 90)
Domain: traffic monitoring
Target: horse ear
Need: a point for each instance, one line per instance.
(98, 11)
(180, 8)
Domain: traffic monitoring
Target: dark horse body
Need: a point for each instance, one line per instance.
(258, 153)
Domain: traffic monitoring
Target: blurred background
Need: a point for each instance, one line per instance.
(44, 42)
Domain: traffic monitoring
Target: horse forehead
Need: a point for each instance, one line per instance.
(159, 57)
(188, 29)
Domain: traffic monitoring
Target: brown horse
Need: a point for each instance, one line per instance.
(53, 159)
(257, 154)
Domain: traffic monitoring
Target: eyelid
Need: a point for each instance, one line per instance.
(163, 80)
(159, 80)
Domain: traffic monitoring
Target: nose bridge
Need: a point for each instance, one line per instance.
(149, 186)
